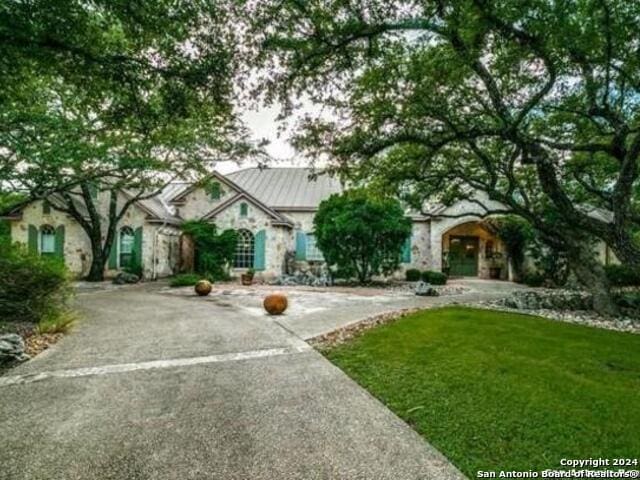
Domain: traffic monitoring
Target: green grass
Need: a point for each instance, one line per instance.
(497, 391)
(185, 280)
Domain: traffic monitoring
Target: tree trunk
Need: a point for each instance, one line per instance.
(591, 274)
(98, 261)
(627, 251)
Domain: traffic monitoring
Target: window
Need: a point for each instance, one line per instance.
(46, 207)
(313, 252)
(215, 192)
(245, 250)
(244, 209)
(47, 240)
(126, 246)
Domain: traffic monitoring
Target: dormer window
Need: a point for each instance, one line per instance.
(244, 209)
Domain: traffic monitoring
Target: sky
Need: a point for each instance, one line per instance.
(262, 123)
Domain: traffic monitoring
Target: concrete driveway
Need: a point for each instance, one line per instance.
(159, 384)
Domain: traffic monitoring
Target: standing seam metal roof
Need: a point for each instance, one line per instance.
(286, 187)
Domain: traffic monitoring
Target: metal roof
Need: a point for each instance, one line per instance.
(287, 188)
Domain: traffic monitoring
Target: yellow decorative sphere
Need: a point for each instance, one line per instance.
(203, 288)
(275, 303)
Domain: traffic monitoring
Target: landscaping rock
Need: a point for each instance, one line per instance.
(424, 289)
(12, 349)
(547, 299)
(124, 277)
(302, 278)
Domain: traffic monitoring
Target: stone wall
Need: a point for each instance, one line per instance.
(77, 248)
(278, 238)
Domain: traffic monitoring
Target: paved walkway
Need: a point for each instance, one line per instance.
(155, 384)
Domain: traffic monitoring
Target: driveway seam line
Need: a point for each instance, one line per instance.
(150, 365)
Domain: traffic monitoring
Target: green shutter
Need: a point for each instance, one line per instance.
(301, 245)
(259, 252)
(59, 245)
(137, 247)
(406, 251)
(32, 241)
(113, 254)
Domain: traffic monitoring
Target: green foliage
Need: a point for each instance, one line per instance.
(516, 234)
(34, 288)
(185, 280)
(434, 278)
(546, 128)
(533, 278)
(214, 251)
(412, 275)
(623, 275)
(59, 323)
(361, 235)
(501, 391)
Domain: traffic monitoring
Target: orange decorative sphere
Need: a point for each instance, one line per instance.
(203, 288)
(275, 303)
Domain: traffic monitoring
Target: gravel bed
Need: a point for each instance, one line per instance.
(580, 317)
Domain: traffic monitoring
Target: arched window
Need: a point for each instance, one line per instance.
(47, 240)
(245, 250)
(244, 209)
(126, 246)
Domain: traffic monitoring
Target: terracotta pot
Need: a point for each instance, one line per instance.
(275, 303)
(246, 279)
(203, 288)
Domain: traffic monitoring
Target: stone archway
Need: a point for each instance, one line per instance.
(469, 249)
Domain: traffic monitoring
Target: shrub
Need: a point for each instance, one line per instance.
(533, 279)
(214, 251)
(434, 278)
(361, 233)
(185, 280)
(135, 267)
(622, 275)
(412, 275)
(33, 288)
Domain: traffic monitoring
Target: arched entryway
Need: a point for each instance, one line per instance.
(470, 249)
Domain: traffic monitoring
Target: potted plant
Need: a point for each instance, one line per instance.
(247, 277)
(496, 263)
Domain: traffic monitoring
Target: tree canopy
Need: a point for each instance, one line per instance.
(136, 91)
(360, 234)
(534, 102)
(117, 96)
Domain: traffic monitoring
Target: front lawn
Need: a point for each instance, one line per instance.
(500, 391)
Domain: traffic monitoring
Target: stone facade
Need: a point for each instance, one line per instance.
(234, 206)
(160, 248)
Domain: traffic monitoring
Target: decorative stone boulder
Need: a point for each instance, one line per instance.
(12, 349)
(275, 303)
(203, 288)
(423, 289)
(124, 277)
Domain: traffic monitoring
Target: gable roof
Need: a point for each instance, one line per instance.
(277, 219)
(287, 188)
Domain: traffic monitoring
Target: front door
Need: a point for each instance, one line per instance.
(463, 256)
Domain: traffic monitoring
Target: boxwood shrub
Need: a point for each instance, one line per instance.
(412, 275)
(434, 278)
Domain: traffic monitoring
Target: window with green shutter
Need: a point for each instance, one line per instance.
(406, 251)
(47, 244)
(260, 250)
(244, 209)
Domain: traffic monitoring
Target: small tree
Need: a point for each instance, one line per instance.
(214, 251)
(516, 234)
(361, 235)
